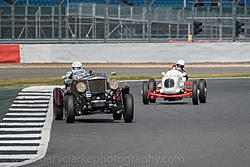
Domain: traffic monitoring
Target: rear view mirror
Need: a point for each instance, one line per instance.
(163, 73)
(113, 73)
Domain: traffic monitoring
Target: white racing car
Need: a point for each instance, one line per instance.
(174, 87)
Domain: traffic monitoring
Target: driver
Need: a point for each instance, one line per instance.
(180, 67)
(77, 71)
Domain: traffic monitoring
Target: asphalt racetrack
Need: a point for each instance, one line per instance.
(13, 73)
(178, 134)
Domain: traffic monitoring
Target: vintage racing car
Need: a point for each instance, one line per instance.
(91, 94)
(173, 88)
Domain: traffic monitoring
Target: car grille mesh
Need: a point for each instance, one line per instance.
(97, 85)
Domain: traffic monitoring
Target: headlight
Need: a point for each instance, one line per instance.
(114, 84)
(81, 87)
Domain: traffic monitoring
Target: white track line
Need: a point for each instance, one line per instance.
(18, 156)
(36, 90)
(19, 135)
(24, 119)
(30, 105)
(29, 94)
(27, 114)
(28, 109)
(18, 148)
(19, 141)
(20, 129)
(39, 88)
(31, 101)
(21, 124)
(28, 97)
(45, 134)
(33, 97)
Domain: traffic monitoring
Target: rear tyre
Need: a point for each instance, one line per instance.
(202, 91)
(145, 92)
(58, 110)
(195, 93)
(152, 88)
(69, 109)
(128, 113)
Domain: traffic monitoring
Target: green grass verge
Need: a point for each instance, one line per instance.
(58, 81)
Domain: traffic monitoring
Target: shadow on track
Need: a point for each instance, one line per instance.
(95, 120)
(172, 103)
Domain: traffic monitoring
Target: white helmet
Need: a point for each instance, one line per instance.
(180, 63)
(76, 66)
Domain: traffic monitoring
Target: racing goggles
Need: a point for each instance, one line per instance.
(76, 68)
(180, 66)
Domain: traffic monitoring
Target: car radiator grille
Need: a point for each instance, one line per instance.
(97, 85)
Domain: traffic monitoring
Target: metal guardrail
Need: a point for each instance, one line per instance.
(103, 23)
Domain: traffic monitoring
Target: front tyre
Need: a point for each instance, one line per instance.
(195, 93)
(145, 92)
(202, 91)
(69, 109)
(128, 113)
(152, 88)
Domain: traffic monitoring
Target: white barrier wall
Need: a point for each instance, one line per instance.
(135, 52)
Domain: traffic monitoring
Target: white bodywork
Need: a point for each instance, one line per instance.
(178, 84)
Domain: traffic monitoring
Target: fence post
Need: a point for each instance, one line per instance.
(53, 24)
(189, 30)
(60, 22)
(144, 11)
(178, 30)
(13, 24)
(106, 21)
(184, 3)
(221, 24)
(131, 12)
(75, 35)
(119, 17)
(80, 21)
(94, 21)
(39, 23)
(26, 25)
(67, 22)
(193, 22)
(245, 15)
(234, 21)
(149, 23)
(169, 30)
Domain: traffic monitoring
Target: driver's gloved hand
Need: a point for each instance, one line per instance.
(67, 83)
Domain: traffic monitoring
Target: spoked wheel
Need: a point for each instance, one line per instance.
(69, 109)
(128, 113)
(202, 91)
(195, 93)
(58, 110)
(145, 92)
(152, 88)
